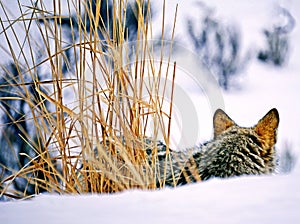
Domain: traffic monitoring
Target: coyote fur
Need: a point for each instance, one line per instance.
(233, 151)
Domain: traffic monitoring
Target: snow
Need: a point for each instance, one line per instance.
(271, 199)
(256, 199)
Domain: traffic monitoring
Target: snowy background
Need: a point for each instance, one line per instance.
(259, 199)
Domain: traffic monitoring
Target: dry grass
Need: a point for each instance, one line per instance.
(101, 100)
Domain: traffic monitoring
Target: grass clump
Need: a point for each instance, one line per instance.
(87, 85)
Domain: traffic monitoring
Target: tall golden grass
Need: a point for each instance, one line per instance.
(92, 140)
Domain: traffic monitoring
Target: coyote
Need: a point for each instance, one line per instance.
(233, 151)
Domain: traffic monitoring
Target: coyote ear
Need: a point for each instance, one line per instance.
(266, 127)
(221, 122)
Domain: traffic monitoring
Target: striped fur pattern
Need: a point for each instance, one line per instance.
(233, 151)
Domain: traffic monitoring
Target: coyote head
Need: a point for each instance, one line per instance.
(259, 140)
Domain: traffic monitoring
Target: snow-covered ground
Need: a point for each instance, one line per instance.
(274, 199)
(259, 199)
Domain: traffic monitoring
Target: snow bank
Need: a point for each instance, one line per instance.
(256, 199)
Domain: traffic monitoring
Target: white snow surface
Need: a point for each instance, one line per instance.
(271, 199)
(251, 199)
